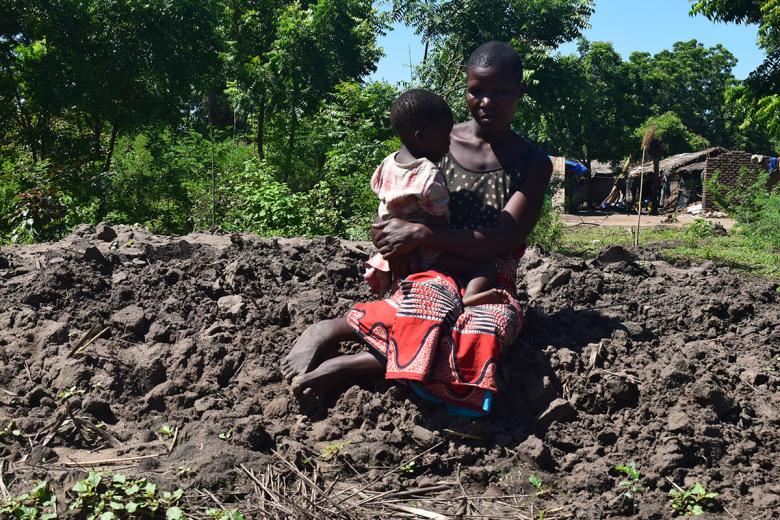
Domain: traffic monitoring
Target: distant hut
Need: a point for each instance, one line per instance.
(682, 177)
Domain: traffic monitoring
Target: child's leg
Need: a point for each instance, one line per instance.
(480, 289)
(321, 336)
(325, 378)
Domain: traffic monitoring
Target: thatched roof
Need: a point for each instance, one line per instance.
(601, 168)
(683, 160)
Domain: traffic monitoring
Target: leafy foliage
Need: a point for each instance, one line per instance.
(10, 432)
(630, 485)
(225, 514)
(109, 497)
(540, 489)
(693, 501)
(253, 115)
(38, 504)
(759, 97)
(674, 136)
(756, 208)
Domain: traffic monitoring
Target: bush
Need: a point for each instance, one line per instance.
(549, 228)
(755, 207)
(32, 204)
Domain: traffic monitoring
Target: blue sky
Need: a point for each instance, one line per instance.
(631, 25)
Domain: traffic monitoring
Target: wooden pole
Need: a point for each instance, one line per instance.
(639, 211)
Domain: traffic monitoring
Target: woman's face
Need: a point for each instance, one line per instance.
(492, 95)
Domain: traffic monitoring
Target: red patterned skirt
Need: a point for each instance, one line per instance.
(447, 352)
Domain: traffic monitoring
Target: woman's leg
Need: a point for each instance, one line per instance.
(316, 340)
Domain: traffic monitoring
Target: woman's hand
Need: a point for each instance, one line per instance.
(396, 237)
(403, 266)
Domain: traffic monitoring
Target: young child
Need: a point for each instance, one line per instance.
(411, 187)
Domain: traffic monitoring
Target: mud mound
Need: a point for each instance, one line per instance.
(111, 334)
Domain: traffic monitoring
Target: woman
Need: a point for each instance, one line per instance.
(422, 334)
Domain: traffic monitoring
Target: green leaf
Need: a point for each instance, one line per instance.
(698, 489)
(108, 516)
(132, 507)
(150, 489)
(116, 505)
(119, 479)
(174, 513)
(94, 479)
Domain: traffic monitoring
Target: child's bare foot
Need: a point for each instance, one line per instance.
(491, 296)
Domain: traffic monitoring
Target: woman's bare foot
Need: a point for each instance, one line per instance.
(491, 296)
(314, 340)
(323, 380)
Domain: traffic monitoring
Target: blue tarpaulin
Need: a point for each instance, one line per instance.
(576, 167)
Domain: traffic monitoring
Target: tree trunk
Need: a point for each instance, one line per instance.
(102, 183)
(111, 144)
(260, 138)
(290, 145)
(97, 133)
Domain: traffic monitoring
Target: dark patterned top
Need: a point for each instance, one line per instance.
(477, 197)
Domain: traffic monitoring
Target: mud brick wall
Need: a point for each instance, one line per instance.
(729, 165)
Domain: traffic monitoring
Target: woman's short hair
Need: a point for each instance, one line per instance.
(500, 55)
(418, 108)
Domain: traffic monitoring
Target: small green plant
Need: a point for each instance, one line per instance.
(540, 489)
(630, 485)
(332, 449)
(183, 471)
(408, 467)
(107, 497)
(166, 431)
(226, 435)
(541, 515)
(10, 432)
(64, 395)
(691, 502)
(225, 514)
(38, 504)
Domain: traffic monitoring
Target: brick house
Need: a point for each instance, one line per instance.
(729, 165)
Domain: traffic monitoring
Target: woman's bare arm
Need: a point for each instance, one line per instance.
(517, 220)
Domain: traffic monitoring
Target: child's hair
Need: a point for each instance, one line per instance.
(500, 55)
(418, 108)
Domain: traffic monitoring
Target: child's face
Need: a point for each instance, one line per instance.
(434, 140)
(492, 95)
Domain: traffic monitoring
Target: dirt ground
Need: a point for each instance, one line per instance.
(599, 218)
(625, 358)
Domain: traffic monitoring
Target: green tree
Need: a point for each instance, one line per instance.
(589, 108)
(689, 80)
(452, 30)
(287, 56)
(759, 100)
(101, 64)
(673, 134)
